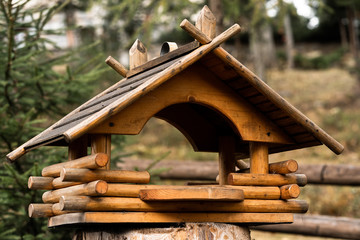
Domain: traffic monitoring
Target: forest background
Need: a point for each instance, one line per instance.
(52, 59)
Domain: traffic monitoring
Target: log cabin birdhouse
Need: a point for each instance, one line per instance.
(217, 103)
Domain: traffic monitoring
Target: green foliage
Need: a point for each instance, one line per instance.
(320, 62)
(39, 83)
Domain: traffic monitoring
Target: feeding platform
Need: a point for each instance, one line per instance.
(217, 103)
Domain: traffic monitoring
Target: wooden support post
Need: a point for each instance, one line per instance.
(115, 176)
(92, 162)
(250, 179)
(226, 158)
(118, 67)
(78, 148)
(101, 143)
(259, 158)
(137, 54)
(206, 22)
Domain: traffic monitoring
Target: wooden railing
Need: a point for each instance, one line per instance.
(323, 226)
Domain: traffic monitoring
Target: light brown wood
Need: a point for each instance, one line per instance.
(148, 86)
(273, 96)
(58, 183)
(206, 22)
(259, 158)
(92, 162)
(88, 189)
(205, 193)
(194, 32)
(78, 148)
(118, 67)
(37, 210)
(114, 176)
(283, 167)
(250, 192)
(266, 179)
(153, 217)
(56, 210)
(100, 204)
(137, 54)
(289, 191)
(44, 183)
(226, 158)
(101, 143)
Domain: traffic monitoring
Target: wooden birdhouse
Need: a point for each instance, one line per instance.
(217, 103)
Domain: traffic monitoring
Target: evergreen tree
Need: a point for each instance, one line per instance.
(34, 93)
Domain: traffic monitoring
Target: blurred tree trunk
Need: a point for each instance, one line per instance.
(343, 34)
(289, 41)
(216, 7)
(353, 38)
(70, 23)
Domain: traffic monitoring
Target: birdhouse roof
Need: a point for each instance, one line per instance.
(141, 80)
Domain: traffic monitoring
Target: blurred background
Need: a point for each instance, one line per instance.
(52, 59)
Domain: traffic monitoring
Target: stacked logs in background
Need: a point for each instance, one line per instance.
(81, 186)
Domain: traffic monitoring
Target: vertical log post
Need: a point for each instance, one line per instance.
(137, 54)
(101, 143)
(78, 148)
(259, 158)
(206, 22)
(226, 158)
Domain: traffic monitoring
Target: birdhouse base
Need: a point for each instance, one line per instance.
(183, 231)
(168, 217)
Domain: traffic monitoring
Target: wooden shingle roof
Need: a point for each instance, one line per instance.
(148, 77)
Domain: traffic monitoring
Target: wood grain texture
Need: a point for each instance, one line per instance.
(44, 183)
(113, 176)
(289, 191)
(111, 204)
(206, 22)
(101, 143)
(88, 189)
(37, 210)
(259, 158)
(92, 162)
(204, 193)
(266, 179)
(152, 217)
(226, 158)
(137, 54)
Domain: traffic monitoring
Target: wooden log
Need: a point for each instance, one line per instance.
(192, 194)
(37, 210)
(44, 183)
(206, 22)
(137, 54)
(57, 210)
(114, 176)
(59, 183)
(226, 158)
(157, 217)
(289, 191)
(89, 189)
(268, 92)
(322, 226)
(92, 162)
(241, 164)
(182, 231)
(249, 179)
(283, 167)
(259, 158)
(118, 67)
(99, 204)
(101, 143)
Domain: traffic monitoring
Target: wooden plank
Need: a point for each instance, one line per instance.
(226, 158)
(259, 158)
(192, 194)
(150, 85)
(113, 176)
(88, 189)
(289, 191)
(111, 204)
(152, 217)
(321, 226)
(137, 54)
(250, 179)
(92, 162)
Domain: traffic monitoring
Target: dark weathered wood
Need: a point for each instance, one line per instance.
(154, 217)
(226, 158)
(322, 226)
